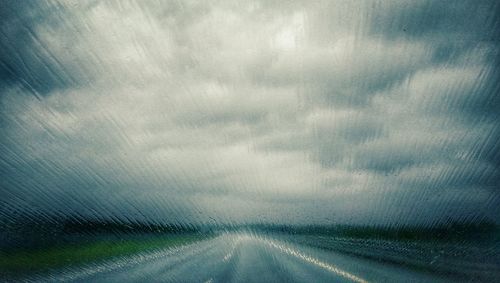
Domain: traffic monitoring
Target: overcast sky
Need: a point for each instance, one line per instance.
(378, 112)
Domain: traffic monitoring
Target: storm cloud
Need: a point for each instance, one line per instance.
(256, 111)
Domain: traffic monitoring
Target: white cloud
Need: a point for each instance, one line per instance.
(238, 109)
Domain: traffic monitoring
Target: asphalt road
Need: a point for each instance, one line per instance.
(243, 258)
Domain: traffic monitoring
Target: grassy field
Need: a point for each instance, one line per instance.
(34, 261)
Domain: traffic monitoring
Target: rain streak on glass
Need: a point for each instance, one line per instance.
(250, 141)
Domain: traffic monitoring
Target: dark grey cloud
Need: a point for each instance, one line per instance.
(26, 58)
(186, 111)
(461, 21)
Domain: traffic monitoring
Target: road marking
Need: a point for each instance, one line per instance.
(316, 262)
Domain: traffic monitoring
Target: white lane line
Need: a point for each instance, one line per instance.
(316, 262)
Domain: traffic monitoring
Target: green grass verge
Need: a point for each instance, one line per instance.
(35, 261)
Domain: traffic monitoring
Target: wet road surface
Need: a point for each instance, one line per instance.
(243, 258)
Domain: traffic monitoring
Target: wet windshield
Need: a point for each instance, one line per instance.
(249, 141)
